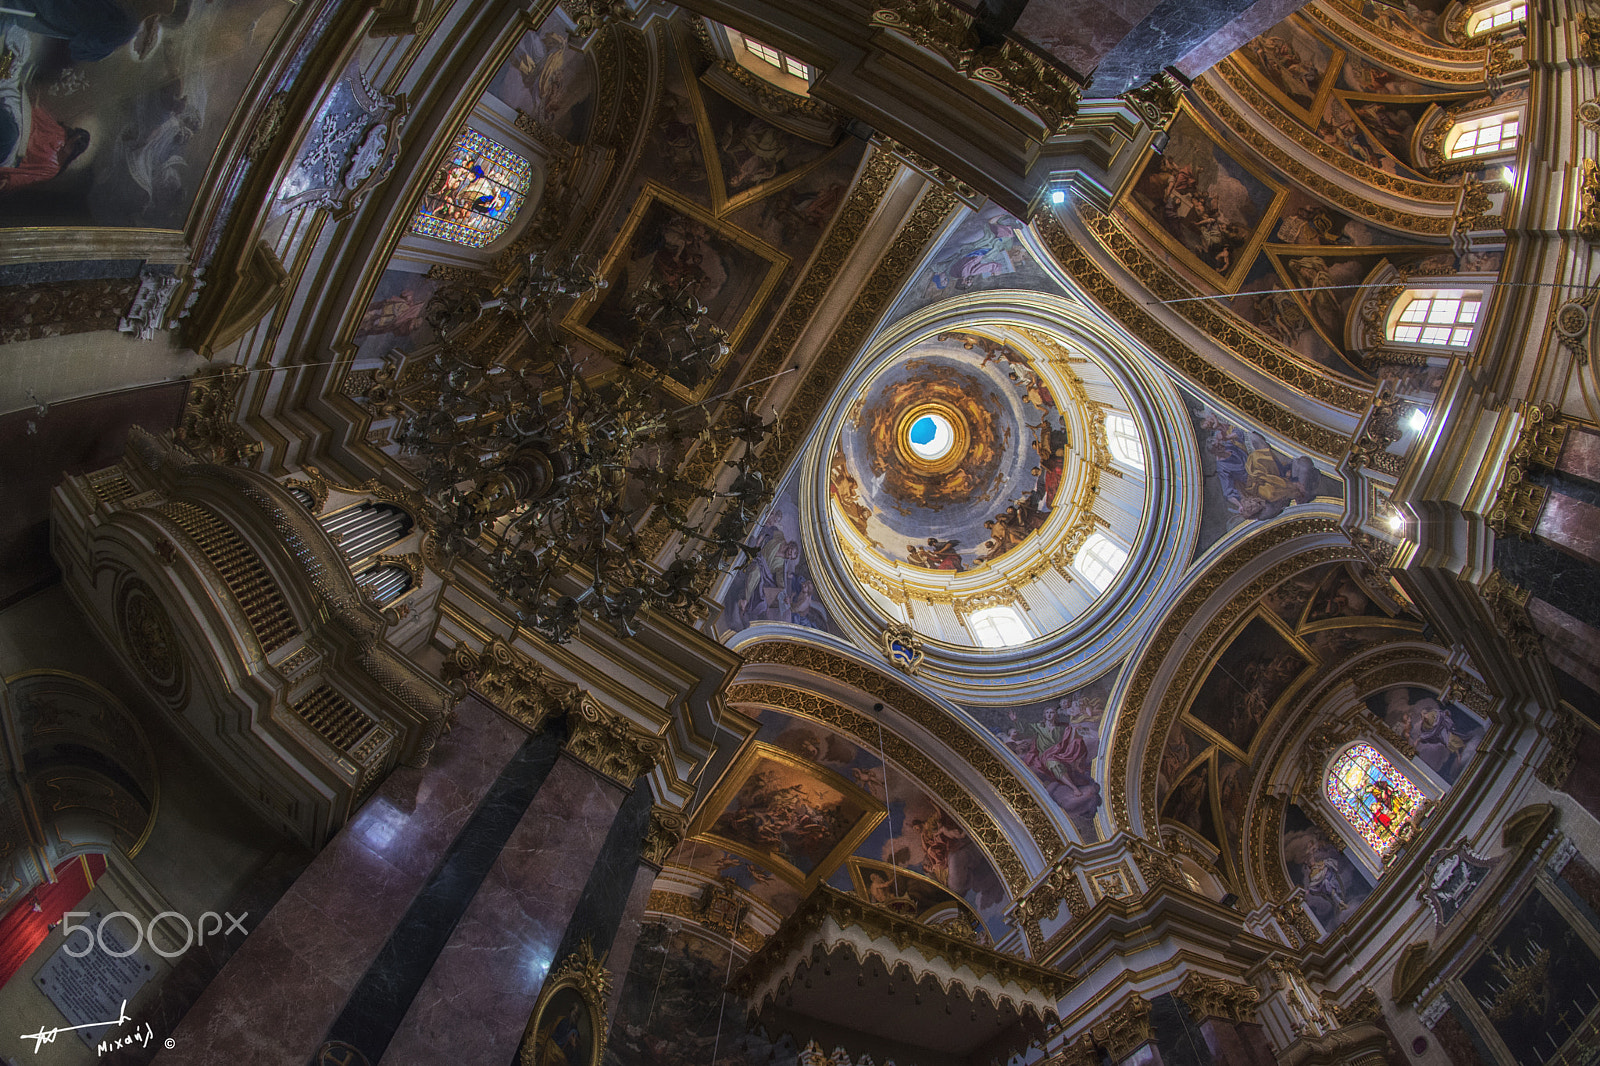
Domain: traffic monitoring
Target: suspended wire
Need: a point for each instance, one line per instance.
(1336, 288)
(883, 760)
(722, 1007)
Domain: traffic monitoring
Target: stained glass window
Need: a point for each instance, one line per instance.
(476, 194)
(1372, 795)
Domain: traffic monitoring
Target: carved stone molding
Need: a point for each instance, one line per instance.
(208, 429)
(1214, 997)
(1589, 201)
(1508, 607)
(350, 150)
(511, 683)
(1156, 100)
(662, 836)
(1023, 76)
(609, 744)
(1124, 1030)
(1558, 762)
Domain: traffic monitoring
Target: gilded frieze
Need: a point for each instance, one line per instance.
(1403, 43)
(909, 757)
(935, 720)
(1176, 624)
(1133, 315)
(1349, 199)
(1223, 326)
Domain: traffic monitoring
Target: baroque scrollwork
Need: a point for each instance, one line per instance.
(208, 429)
(511, 683)
(609, 744)
(1215, 997)
(664, 833)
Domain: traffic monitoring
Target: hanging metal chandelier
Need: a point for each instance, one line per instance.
(543, 474)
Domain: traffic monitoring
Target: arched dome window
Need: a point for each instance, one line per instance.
(475, 194)
(1374, 797)
(1438, 318)
(1483, 136)
(1099, 560)
(1496, 16)
(998, 627)
(1123, 438)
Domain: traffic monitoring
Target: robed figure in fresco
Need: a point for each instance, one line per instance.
(1059, 757)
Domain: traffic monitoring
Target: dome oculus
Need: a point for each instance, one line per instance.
(931, 437)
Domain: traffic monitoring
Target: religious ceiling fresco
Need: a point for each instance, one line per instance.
(1247, 478)
(775, 583)
(1335, 883)
(1445, 734)
(1271, 658)
(984, 250)
(112, 121)
(805, 803)
(725, 201)
(1058, 740)
(1236, 225)
(995, 486)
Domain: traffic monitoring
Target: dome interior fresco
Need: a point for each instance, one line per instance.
(998, 483)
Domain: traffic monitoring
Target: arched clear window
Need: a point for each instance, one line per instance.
(1496, 16)
(1126, 444)
(998, 627)
(1099, 560)
(1443, 318)
(475, 194)
(1374, 797)
(1493, 135)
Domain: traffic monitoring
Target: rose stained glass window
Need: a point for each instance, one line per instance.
(1372, 795)
(476, 193)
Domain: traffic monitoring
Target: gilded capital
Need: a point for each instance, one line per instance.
(663, 835)
(1214, 997)
(512, 683)
(609, 744)
(1124, 1030)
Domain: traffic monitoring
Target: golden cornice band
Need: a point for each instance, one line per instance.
(1124, 1030)
(609, 744)
(1470, 55)
(511, 683)
(1214, 997)
(977, 820)
(1301, 134)
(1349, 200)
(1224, 326)
(1019, 73)
(690, 909)
(1176, 624)
(1059, 885)
(928, 716)
(1133, 315)
(663, 835)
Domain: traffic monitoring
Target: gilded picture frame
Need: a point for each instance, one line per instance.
(1210, 732)
(568, 1024)
(862, 810)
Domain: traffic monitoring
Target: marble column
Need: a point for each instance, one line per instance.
(282, 989)
(1580, 456)
(663, 834)
(476, 999)
(1572, 525)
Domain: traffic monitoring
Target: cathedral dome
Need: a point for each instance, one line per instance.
(985, 477)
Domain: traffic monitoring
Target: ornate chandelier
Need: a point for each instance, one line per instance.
(537, 471)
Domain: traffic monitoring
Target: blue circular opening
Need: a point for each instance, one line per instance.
(923, 430)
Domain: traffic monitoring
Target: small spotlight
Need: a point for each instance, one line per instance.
(1058, 196)
(1158, 143)
(1397, 521)
(1418, 420)
(1508, 175)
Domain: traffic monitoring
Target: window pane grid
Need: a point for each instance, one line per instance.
(1494, 136)
(1495, 17)
(475, 194)
(1099, 560)
(1444, 322)
(1123, 437)
(998, 627)
(788, 64)
(1375, 798)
